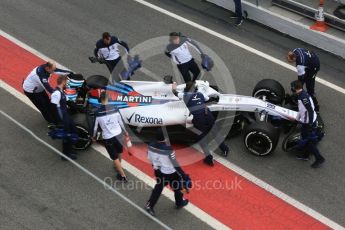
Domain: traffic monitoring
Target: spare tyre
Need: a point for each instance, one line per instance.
(261, 138)
(270, 90)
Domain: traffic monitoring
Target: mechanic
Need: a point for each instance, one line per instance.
(203, 119)
(308, 65)
(109, 120)
(58, 101)
(35, 86)
(167, 171)
(107, 50)
(307, 119)
(178, 50)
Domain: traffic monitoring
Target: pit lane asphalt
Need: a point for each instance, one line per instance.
(66, 31)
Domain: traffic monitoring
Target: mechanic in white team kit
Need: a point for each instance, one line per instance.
(59, 103)
(307, 65)
(167, 171)
(109, 120)
(107, 50)
(178, 51)
(35, 86)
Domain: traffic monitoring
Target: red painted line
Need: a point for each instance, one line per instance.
(246, 206)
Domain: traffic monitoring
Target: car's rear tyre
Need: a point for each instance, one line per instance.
(261, 138)
(84, 140)
(270, 90)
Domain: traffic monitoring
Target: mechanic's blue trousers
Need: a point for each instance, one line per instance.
(209, 131)
(173, 180)
(309, 79)
(187, 68)
(311, 145)
(238, 9)
(69, 127)
(42, 103)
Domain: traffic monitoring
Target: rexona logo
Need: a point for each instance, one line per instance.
(145, 120)
(134, 99)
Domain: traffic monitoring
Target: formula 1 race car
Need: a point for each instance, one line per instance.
(146, 105)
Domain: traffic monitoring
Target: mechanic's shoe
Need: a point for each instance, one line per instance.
(73, 156)
(209, 160)
(317, 163)
(226, 152)
(150, 210)
(239, 22)
(184, 203)
(121, 178)
(303, 157)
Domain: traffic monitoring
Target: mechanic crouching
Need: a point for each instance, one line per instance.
(58, 101)
(307, 119)
(203, 120)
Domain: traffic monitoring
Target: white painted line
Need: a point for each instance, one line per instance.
(236, 43)
(99, 180)
(197, 212)
(206, 218)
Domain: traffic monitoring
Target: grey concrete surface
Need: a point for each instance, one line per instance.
(67, 32)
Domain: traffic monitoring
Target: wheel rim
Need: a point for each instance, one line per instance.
(292, 143)
(84, 139)
(258, 143)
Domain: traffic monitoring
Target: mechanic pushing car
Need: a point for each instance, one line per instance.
(203, 120)
(107, 51)
(307, 118)
(307, 65)
(167, 171)
(178, 51)
(35, 86)
(109, 120)
(59, 102)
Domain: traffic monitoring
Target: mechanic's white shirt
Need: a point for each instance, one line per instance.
(302, 115)
(181, 54)
(55, 98)
(110, 124)
(109, 53)
(161, 162)
(33, 83)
